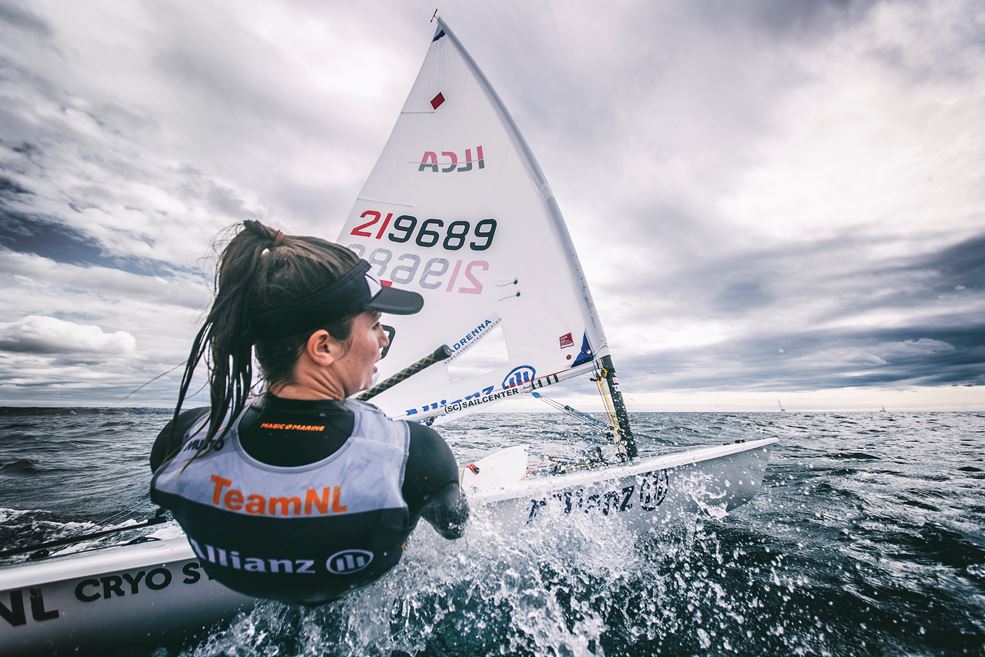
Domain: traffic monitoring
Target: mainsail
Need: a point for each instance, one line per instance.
(458, 209)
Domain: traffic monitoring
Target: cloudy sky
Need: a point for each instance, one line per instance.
(779, 199)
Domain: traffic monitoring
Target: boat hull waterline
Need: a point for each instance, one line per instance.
(151, 591)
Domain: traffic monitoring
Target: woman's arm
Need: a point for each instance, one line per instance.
(431, 483)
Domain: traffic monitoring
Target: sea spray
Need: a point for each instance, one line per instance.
(571, 584)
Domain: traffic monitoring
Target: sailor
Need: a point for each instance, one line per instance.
(300, 494)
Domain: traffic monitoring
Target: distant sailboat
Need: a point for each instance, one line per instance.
(780, 406)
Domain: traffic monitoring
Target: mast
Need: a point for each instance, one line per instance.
(624, 433)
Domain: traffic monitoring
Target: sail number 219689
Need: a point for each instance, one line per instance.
(427, 233)
(447, 274)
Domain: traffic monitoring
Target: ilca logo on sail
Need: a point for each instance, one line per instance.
(429, 161)
(348, 561)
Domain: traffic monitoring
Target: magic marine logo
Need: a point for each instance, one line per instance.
(449, 161)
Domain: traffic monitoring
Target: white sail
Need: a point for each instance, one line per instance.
(458, 210)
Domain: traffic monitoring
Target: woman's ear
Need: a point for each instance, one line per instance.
(322, 348)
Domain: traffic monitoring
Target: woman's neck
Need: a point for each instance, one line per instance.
(309, 383)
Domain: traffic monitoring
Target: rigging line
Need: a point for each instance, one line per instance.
(599, 377)
(119, 514)
(584, 417)
(116, 517)
(156, 520)
(144, 385)
(200, 389)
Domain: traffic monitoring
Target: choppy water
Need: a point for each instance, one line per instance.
(869, 539)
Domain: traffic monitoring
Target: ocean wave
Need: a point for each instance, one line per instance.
(949, 547)
(113, 424)
(10, 426)
(859, 456)
(19, 467)
(919, 504)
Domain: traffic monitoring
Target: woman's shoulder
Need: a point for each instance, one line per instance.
(172, 436)
(427, 445)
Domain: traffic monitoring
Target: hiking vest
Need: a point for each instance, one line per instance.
(305, 533)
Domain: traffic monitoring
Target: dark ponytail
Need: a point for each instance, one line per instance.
(260, 269)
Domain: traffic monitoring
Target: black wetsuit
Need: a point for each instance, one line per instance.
(279, 432)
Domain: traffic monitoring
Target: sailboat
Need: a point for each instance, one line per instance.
(458, 209)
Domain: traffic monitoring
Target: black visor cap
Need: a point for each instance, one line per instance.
(395, 301)
(354, 292)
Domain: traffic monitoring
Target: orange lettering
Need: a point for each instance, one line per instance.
(220, 483)
(336, 507)
(312, 498)
(283, 503)
(233, 499)
(281, 426)
(328, 500)
(256, 505)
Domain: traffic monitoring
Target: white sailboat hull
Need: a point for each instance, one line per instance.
(151, 591)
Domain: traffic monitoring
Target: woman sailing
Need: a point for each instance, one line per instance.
(301, 494)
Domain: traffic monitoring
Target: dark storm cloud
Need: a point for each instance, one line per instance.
(220, 199)
(796, 20)
(23, 19)
(822, 283)
(791, 275)
(73, 361)
(919, 280)
(10, 189)
(742, 296)
(962, 264)
(933, 353)
(27, 233)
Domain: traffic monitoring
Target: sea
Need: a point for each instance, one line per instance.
(868, 538)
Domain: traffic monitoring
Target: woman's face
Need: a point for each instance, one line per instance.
(355, 368)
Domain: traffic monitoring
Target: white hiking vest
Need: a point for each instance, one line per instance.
(305, 533)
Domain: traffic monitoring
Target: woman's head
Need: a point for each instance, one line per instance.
(263, 269)
(273, 291)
